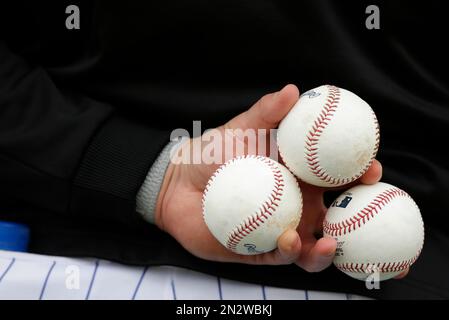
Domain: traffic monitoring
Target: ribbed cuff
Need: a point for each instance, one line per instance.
(113, 169)
(146, 199)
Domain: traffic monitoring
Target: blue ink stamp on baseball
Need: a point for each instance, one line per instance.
(251, 248)
(343, 203)
(311, 94)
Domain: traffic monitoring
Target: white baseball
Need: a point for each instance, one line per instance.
(249, 202)
(378, 229)
(329, 138)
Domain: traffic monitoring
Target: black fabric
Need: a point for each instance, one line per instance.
(113, 170)
(146, 68)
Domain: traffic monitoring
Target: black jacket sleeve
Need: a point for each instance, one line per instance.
(64, 152)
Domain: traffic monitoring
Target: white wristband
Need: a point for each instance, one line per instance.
(146, 198)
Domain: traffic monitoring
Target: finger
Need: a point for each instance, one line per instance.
(373, 174)
(268, 111)
(288, 251)
(319, 256)
(289, 247)
(403, 274)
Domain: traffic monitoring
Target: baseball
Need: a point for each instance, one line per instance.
(378, 228)
(329, 138)
(249, 202)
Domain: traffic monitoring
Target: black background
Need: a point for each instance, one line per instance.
(169, 63)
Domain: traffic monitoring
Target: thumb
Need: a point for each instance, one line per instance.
(268, 111)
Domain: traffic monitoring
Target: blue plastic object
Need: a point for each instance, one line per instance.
(14, 236)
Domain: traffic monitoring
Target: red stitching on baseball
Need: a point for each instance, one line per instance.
(360, 218)
(314, 134)
(265, 211)
(214, 175)
(378, 267)
(348, 225)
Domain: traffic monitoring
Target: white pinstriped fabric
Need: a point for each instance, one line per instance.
(33, 277)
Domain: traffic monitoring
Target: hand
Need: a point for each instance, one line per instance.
(179, 206)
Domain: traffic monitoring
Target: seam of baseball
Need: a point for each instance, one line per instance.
(314, 134)
(267, 209)
(364, 215)
(219, 170)
(214, 175)
(379, 266)
(359, 219)
(285, 163)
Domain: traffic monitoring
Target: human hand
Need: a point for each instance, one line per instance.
(179, 206)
